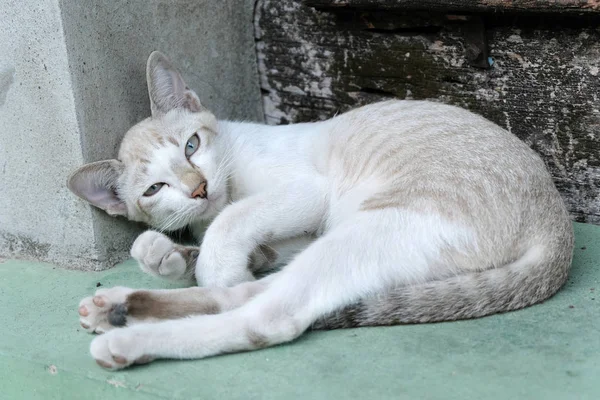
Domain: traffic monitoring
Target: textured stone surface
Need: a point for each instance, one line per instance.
(543, 84)
(546, 352)
(72, 81)
(39, 139)
(537, 6)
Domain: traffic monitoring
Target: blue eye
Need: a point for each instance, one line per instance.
(152, 190)
(192, 145)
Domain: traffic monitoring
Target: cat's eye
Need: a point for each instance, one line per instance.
(192, 145)
(152, 190)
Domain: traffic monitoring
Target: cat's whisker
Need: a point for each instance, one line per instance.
(174, 220)
(226, 161)
(189, 218)
(165, 224)
(224, 166)
(271, 248)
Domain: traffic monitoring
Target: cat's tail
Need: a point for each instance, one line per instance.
(531, 279)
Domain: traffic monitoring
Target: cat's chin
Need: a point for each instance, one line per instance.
(214, 198)
(216, 202)
(211, 207)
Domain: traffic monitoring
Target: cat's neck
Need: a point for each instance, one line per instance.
(233, 131)
(261, 154)
(280, 140)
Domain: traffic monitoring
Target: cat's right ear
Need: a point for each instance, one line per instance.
(166, 87)
(97, 183)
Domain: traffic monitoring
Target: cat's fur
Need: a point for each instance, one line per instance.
(396, 212)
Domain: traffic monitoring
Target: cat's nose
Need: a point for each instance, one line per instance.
(200, 191)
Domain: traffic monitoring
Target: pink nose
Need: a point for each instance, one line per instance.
(200, 191)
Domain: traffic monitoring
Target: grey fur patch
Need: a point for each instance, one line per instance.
(190, 255)
(461, 297)
(145, 304)
(117, 316)
(256, 339)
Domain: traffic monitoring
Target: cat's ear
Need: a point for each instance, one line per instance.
(97, 183)
(167, 88)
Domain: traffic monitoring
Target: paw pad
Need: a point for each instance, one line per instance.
(119, 359)
(105, 310)
(103, 364)
(99, 301)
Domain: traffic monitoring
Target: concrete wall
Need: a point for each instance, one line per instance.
(72, 82)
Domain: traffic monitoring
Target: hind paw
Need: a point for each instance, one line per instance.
(105, 310)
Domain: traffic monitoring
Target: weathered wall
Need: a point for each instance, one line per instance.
(72, 81)
(530, 6)
(543, 84)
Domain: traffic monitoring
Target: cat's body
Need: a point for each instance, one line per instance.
(402, 211)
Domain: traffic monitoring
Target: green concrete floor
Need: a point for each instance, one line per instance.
(549, 351)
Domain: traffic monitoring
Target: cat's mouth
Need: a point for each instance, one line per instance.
(214, 196)
(208, 205)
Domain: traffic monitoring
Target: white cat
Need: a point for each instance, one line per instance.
(397, 212)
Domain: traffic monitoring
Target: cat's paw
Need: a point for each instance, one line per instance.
(159, 256)
(102, 312)
(119, 349)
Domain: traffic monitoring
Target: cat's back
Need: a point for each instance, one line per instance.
(421, 138)
(416, 122)
(430, 157)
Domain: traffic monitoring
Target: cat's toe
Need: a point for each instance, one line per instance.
(101, 312)
(100, 351)
(172, 266)
(159, 256)
(118, 349)
(91, 317)
(150, 249)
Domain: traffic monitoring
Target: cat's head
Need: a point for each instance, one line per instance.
(168, 173)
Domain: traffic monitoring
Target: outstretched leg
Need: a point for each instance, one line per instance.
(362, 257)
(121, 306)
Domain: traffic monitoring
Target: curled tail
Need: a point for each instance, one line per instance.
(530, 280)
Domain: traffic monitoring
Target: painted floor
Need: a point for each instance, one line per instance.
(549, 351)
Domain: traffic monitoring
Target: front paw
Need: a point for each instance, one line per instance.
(119, 349)
(159, 256)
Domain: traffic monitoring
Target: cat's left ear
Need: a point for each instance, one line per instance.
(167, 88)
(97, 183)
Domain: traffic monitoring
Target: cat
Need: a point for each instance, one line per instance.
(395, 212)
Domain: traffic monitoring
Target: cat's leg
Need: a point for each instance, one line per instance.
(159, 256)
(279, 253)
(374, 251)
(120, 306)
(281, 213)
